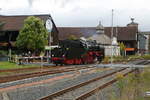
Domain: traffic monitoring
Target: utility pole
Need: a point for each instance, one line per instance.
(112, 37)
(49, 26)
(9, 46)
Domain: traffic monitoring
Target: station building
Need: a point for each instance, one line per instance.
(12, 25)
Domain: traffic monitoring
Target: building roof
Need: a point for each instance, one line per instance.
(145, 32)
(65, 32)
(101, 38)
(122, 33)
(15, 22)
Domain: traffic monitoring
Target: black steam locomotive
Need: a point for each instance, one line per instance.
(77, 52)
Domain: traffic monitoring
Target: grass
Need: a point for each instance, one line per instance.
(146, 56)
(9, 65)
(107, 59)
(134, 86)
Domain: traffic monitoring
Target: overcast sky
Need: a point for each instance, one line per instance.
(86, 13)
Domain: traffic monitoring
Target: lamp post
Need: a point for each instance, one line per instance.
(49, 26)
(112, 38)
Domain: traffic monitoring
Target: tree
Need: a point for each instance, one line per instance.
(1, 25)
(122, 48)
(149, 45)
(72, 37)
(33, 36)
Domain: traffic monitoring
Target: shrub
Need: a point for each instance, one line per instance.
(3, 53)
(146, 57)
(106, 60)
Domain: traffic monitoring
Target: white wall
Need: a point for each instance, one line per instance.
(109, 50)
(147, 43)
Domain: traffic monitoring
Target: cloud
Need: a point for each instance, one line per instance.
(83, 12)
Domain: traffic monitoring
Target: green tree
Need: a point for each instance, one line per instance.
(72, 37)
(122, 48)
(33, 36)
(148, 44)
(1, 25)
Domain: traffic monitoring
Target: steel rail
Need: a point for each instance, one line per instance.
(92, 92)
(37, 74)
(61, 92)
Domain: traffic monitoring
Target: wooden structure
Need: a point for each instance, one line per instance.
(12, 25)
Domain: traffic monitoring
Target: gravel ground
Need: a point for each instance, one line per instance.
(36, 79)
(38, 91)
(1, 97)
(104, 94)
(30, 80)
(73, 94)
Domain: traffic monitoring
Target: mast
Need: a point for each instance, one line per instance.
(112, 37)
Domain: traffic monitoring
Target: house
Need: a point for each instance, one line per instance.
(12, 25)
(143, 43)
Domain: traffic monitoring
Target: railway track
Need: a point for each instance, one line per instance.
(32, 68)
(143, 62)
(46, 71)
(81, 91)
(27, 89)
(78, 89)
(40, 73)
(94, 91)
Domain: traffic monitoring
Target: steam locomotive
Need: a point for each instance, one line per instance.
(70, 52)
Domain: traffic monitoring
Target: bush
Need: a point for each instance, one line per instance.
(106, 60)
(3, 53)
(146, 57)
(133, 86)
(119, 58)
